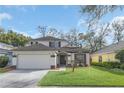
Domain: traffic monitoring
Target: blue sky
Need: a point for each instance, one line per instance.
(25, 19)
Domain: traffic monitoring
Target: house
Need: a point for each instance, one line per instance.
(107, 54)
(5, 49)
(48, 52)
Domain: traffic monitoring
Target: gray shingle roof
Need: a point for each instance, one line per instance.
(48, 38)
(73, 49)
(112, 48)
(4, 50)
(35, 47)
(41, 47)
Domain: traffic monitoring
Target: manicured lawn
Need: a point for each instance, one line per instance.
(2, 70)
(85, 76)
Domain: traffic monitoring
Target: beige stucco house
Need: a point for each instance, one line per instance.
(49, 52)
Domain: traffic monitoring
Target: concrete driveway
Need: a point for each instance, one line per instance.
(21, 78)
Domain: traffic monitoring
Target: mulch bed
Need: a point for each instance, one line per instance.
(9, 68)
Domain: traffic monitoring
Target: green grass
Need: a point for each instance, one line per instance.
(85, 76)
(2, 70)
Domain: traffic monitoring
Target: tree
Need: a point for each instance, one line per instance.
(13, 38)
(120, 56)
(1, 30)
(42, 30)
(95, 12)
(94, 39)
(104, 30)
(118, 30)
(72, 37)
(52, 32)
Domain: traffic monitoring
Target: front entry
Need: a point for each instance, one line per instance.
(62, 60)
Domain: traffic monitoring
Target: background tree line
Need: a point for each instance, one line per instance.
(13, 38)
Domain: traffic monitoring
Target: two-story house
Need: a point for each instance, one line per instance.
(47, 52)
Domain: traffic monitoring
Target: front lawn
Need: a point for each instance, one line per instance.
(85, 76)
(2, 70)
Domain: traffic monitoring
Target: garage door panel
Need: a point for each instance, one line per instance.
(34, 61)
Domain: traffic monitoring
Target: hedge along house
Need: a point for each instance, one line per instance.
(6, 49)
(49, 52)
(107, 54)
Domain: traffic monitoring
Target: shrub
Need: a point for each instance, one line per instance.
(96, 64)
(107, 64)
(3, 61)
(120, 56)
(122, 66)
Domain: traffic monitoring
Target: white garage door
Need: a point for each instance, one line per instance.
(34, 62)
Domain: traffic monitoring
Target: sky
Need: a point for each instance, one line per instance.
(26, 19)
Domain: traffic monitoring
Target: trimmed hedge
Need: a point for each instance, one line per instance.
(122, 66)
(3, 61)
(109, 65)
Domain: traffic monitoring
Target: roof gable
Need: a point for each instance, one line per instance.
(112, 48)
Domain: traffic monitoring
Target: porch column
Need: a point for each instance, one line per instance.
(55, 60)
(88, 59)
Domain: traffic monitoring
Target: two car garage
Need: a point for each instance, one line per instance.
(35, 60)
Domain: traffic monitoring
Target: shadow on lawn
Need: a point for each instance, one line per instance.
(113, 71)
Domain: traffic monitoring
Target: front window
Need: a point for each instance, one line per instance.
(51, 44)
(55, 44)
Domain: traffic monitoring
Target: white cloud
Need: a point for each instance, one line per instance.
(118, 18)
(35, 35)
(4, 16)
(20, 32)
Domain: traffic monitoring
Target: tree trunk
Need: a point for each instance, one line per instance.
(73, 67)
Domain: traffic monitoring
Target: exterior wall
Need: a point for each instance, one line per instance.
(87, 59)
(105, 57)
(64, 43)
(46, 43)
(70, 58)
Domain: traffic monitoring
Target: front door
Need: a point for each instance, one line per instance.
(62, 60)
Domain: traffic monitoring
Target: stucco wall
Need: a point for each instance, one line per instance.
(46, 43)
(105, 57)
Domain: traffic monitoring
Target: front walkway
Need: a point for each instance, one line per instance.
(21, 78)
(59, 69)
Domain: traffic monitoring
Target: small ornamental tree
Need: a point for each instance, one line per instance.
(120, 56)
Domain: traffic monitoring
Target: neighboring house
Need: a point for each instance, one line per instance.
(5, 49)
(107, 54)
(48, 52)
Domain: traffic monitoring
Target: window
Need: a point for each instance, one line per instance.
(51, 44)
(31, 43)
(59, 44)
(36, 42)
